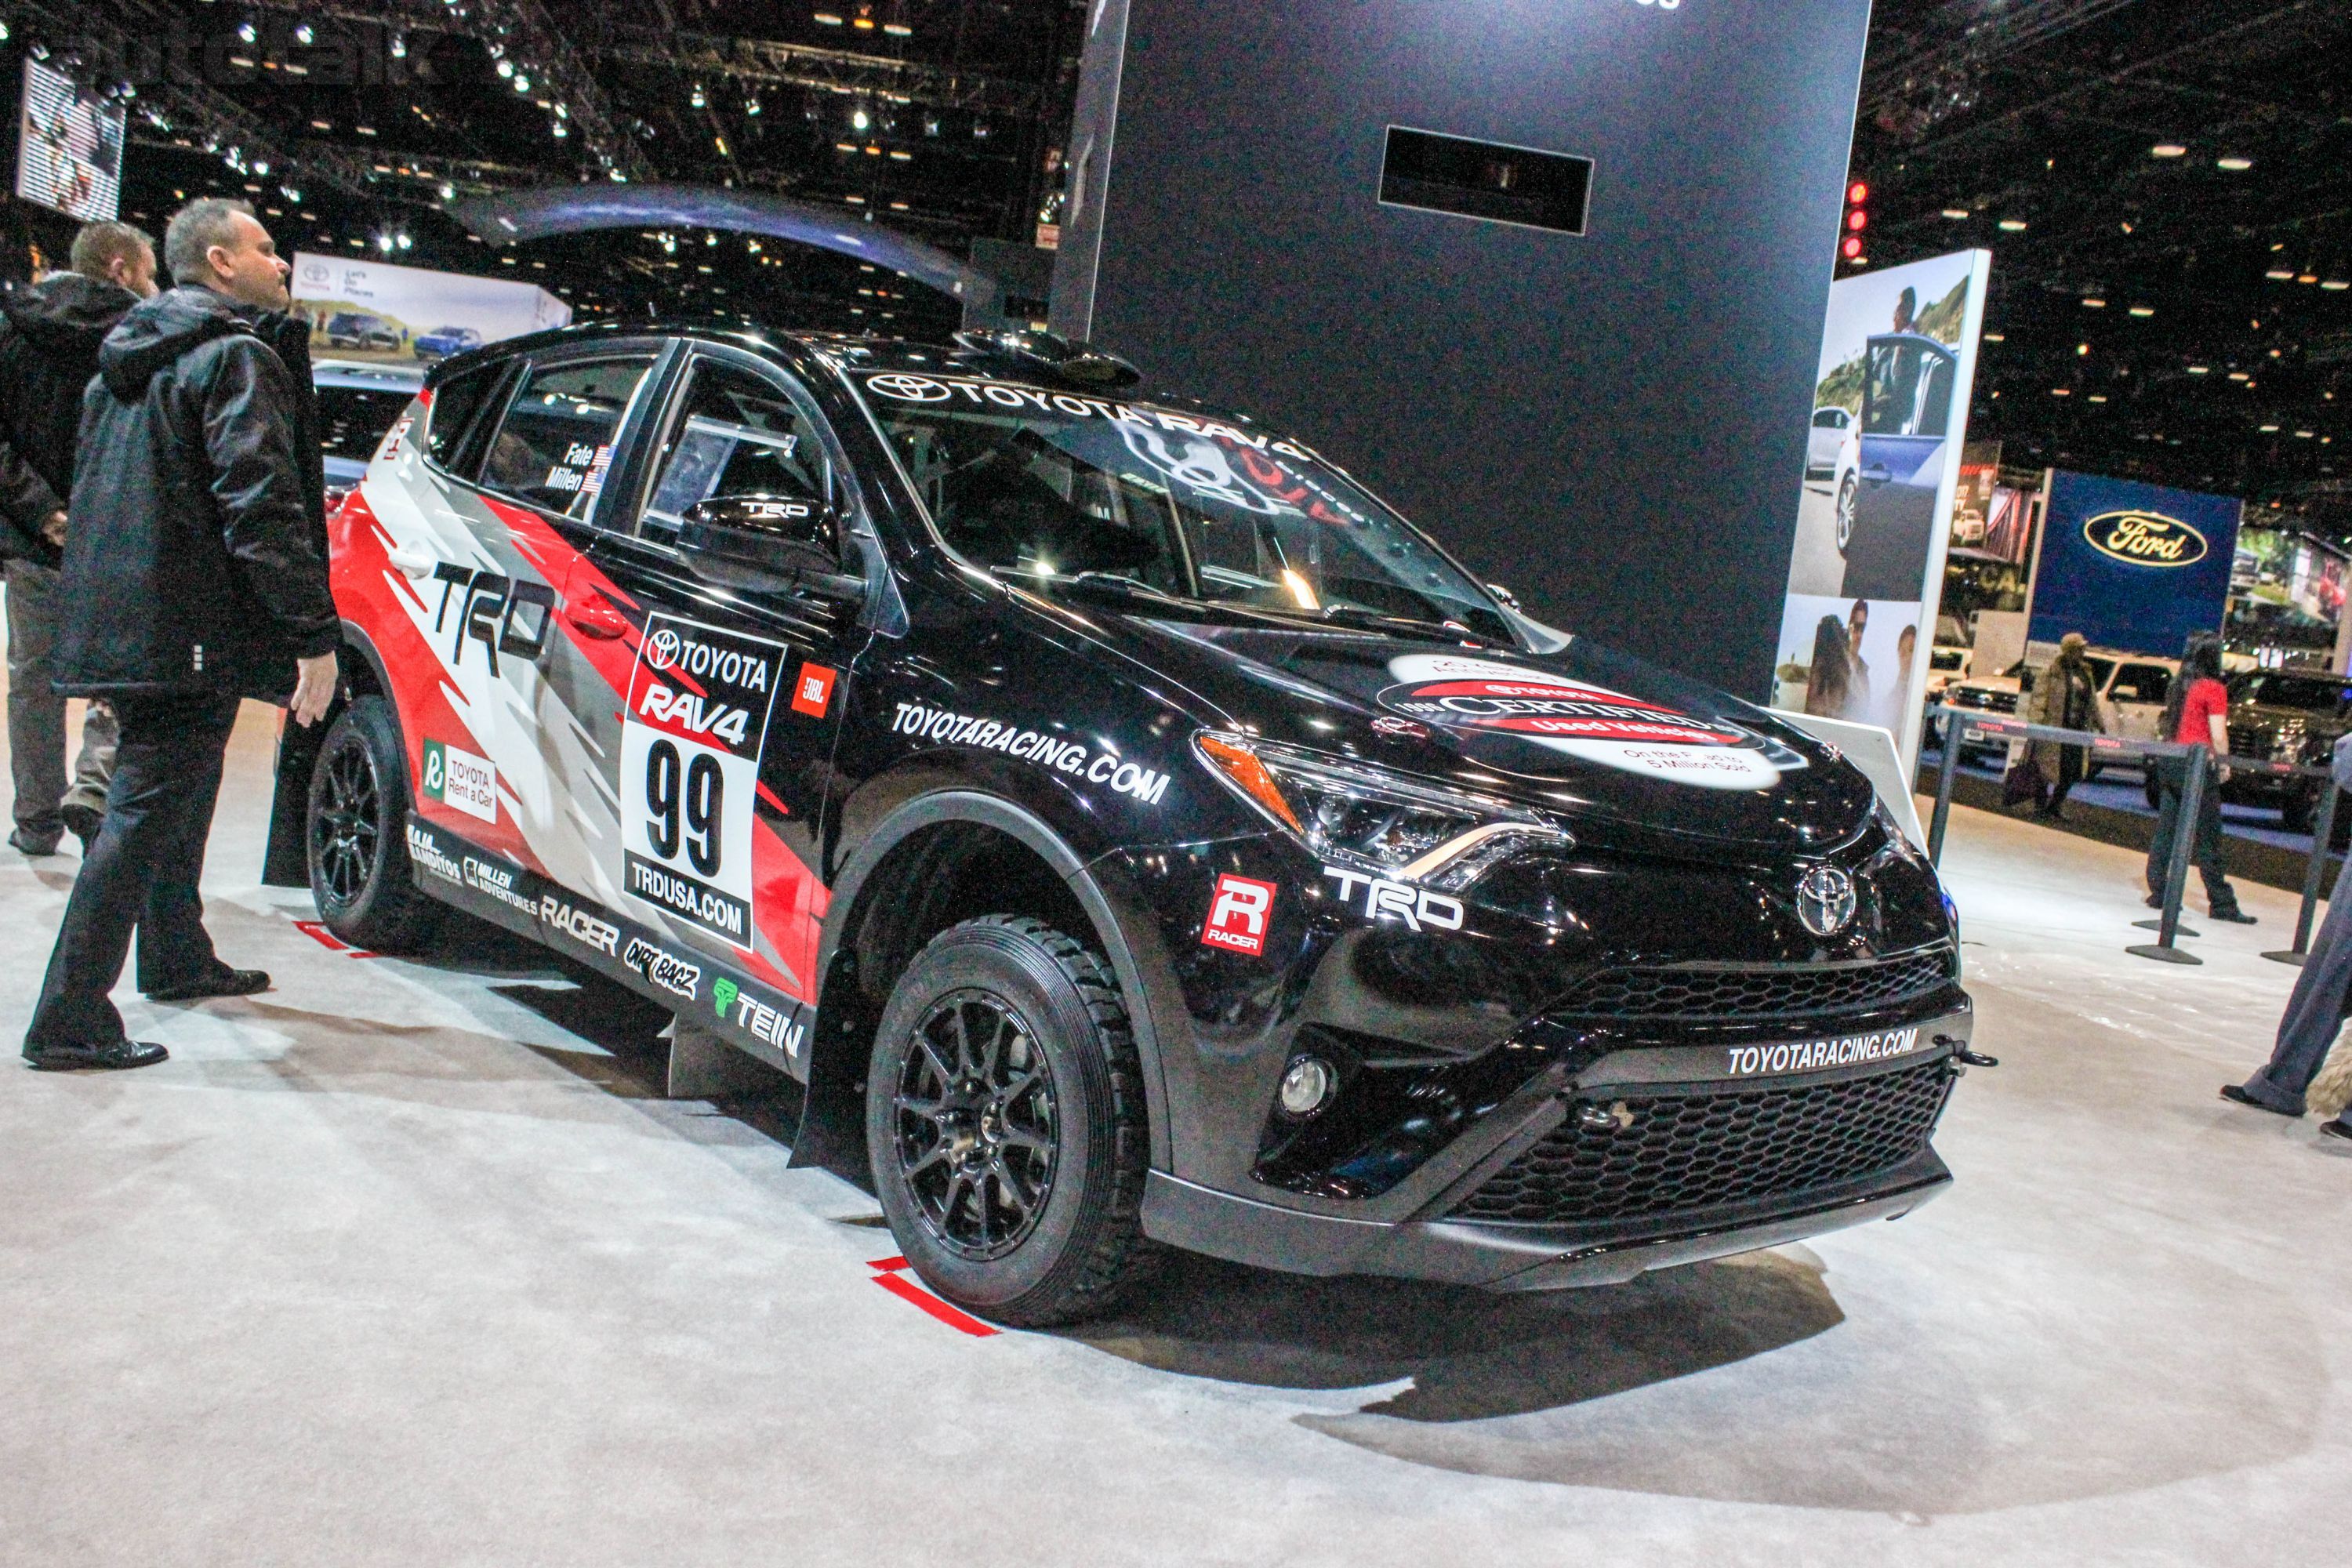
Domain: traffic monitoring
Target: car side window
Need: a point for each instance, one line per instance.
(2142, 683)
(451, 414)
(736, 433)
(555, 444)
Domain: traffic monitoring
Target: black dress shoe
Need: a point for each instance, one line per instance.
(2231, 917)
(2153, 901)
(2236, 1095)
(2337, 1128)
(32, 844)
(114, 1056)
(225, 982)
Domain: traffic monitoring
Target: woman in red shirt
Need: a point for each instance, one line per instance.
(2195, 714)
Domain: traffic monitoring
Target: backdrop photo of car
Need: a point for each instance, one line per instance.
(1882, 467)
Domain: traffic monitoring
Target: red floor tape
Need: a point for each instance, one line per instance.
(317, 931)
(907, 1290)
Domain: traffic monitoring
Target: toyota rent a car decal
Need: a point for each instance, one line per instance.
(1579, 719)
(691, 742)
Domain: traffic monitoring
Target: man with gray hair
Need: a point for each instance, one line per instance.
(196, 565)
(49, 335)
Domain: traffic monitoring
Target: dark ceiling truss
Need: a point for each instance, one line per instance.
(769, 63)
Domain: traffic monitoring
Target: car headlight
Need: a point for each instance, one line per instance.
(1350, 815)
(1898, 843)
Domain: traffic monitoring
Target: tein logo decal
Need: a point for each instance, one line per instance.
(2145, 538)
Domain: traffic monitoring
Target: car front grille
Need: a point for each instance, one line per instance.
(1986, 701)
(2247, 741)
(1761, 991)
(1681, 1153)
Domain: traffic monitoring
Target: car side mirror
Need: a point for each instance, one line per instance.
(1510, 601)
(766, 543)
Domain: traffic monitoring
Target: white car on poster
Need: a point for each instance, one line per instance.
(1832, 454)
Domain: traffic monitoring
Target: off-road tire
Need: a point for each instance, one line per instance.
(1084, 1245)
(354, 835)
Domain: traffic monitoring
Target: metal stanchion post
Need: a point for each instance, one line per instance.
(2184, 829)
(2323, 834)
(1951, 762)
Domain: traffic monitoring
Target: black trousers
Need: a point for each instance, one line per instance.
(2205, 843)
(141, 870)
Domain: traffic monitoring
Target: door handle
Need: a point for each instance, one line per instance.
(596, 617)
(412, 562)
(1877, 473)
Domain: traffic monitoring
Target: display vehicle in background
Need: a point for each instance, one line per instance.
(442, 342)
(358, 329)
(2286, 715)
(2131, 690)
(357, 403)
(1132, 832)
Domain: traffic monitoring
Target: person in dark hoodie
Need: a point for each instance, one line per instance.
(49, 335)
(196, 565)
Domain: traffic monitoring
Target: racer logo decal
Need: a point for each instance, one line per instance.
(691, 738)
(461, 781)
(582, 927)
(812, 690)
(1385, 900)
(1579, 719)
(1239, 913)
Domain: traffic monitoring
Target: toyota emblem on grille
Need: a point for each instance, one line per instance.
(1825, 900)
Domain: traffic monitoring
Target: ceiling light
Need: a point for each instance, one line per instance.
(2061, 392)
(2168, 150)
(827, 19)
(522, 83)
(401, 240)
(2236, 375)
(2200, 369)
(2143, 309)
(2082, 348)
(898, 29)
(244, 31)
(979, 129)
(2280, 274)
(1995, 338)
(930, 125)
(399, 45)
(2012, 226)
(2337, 284)
(2302, 435)
(2306, 277)
(506, 68)
(448, 192)
(864, 20)
(2098, 397)
(2268, 429)
(904, 156)
(858, 119)
(2235, 165)
(1956, 212)
(2094, 303)
(751, 107)
(697, 99)
(844, 147)
(320, 125)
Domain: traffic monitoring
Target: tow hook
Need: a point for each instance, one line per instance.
(1964, 1058)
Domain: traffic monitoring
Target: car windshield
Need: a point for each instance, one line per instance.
(2317, 693)
(1057, 488)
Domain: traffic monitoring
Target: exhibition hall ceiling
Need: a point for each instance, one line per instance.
(2163, 182)
(940, 118)
(2166, 186)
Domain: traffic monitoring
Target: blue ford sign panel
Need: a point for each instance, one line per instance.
(2132, 565)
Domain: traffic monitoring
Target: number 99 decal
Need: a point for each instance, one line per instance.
(691, 742)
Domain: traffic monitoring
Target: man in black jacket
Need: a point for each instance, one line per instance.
(196, 567)
(49, 335)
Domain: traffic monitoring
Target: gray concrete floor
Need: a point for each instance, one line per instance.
(407, 1263)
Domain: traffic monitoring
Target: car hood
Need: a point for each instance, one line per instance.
(2273, 717)
(1632, 752)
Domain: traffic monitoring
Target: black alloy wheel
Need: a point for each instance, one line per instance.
(355, 835)
(976, 1126)
(1005, 1126)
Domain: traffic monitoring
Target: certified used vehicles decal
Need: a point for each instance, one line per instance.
(699, 699)
(1579, 719)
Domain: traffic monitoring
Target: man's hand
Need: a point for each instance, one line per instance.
(314, 687)
(53, 528)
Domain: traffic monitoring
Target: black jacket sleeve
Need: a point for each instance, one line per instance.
(25, 503)
(257, 478)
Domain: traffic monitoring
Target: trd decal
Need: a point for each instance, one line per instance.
(493, 609)
(1239, 911)
(812, 690)
(1384, 900)
(691, 738)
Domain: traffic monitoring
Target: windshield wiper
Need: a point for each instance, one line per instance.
(1394, 625)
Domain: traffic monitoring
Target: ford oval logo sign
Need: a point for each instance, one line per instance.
(2145, 538)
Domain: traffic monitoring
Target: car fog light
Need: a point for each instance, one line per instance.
(1307, 1086)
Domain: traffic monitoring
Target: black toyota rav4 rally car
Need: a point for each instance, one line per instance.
(1131, 832)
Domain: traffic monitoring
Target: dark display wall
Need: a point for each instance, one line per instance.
(1611, 424)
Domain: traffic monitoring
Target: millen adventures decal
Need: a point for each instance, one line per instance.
(1579, 719)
